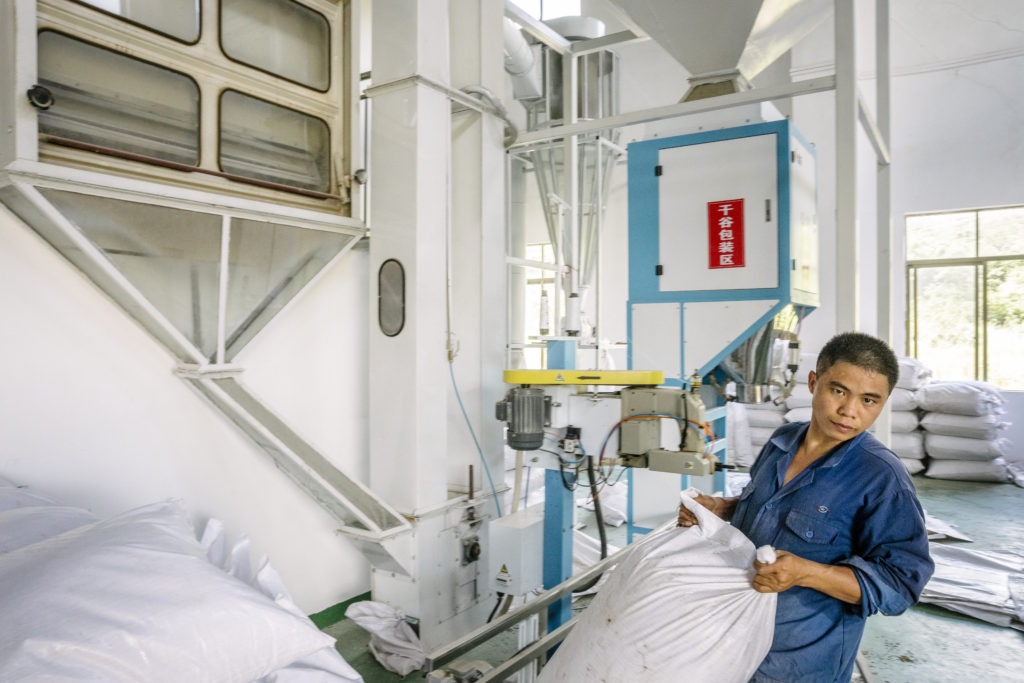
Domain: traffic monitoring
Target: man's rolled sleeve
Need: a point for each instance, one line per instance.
(894, 564)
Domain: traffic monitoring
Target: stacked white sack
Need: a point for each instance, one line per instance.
(962, 424)
(913, 374)
(764, 419)
(906, 438)
(739, 449)
(908, 444)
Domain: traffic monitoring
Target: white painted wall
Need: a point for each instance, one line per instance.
(93, 415)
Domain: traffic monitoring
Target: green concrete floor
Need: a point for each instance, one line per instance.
(933, 645)
(925, 645)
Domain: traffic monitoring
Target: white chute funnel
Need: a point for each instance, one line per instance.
(725, 44)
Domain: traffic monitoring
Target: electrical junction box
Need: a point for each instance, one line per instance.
(517, 551)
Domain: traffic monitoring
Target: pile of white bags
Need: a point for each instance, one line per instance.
(962, 426)
(764, 419)
(678, 607)
(913, 374)
(906, 438)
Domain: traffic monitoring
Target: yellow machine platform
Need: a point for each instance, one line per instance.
(630, 378)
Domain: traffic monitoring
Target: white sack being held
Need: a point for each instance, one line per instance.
(678, 607)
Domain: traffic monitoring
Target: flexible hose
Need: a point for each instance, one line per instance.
(599, 516)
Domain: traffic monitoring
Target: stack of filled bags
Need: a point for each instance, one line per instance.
(962, 426)
(764, 419)
(906, 438)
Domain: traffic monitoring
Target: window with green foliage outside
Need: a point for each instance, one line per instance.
(965, 291)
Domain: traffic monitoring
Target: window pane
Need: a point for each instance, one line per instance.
(176, 18)
(266, 142)
(1001, 232)
(1005, 320)
(945, 314)
(940, 235)
(278, 36)
(110, 100)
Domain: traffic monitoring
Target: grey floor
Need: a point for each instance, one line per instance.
(925, 645)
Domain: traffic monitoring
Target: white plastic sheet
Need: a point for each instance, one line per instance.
(987, 585)
(392, 640)
(678, 607)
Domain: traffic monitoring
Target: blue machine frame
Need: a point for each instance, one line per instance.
(645, 225)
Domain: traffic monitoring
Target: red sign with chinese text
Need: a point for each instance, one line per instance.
(725, 234)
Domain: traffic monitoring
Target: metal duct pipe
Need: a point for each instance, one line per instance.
(765, 359)
(519, 64)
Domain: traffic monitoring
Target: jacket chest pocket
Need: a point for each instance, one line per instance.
(811, 529)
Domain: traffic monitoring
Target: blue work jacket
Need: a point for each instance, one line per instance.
(855, 506)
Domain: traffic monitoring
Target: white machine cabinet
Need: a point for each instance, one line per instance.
(723, 234)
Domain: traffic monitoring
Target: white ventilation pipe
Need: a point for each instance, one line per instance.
(519, 63)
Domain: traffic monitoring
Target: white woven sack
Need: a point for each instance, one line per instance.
(969, 470)
(913, 374)
(961, 398)
(738, 447)
(908, 445)
(903, 421)
(968, 426)
(946, 447)
(759, 437)
(766, 418)
(902, 399)
(678, 607)
(913, 466)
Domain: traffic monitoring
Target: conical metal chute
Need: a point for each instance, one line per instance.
(573, 223)
(768, 358)
(725, 44)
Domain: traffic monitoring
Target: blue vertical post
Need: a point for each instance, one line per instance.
(716, 416)
(558, 508)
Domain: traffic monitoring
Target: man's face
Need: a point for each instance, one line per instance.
(846, 400)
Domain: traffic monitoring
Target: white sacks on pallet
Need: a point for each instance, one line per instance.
(678, 607)
(739, 448)
(967, 426)
(992, 471)
(961, 398)
(908, 445)
(913, 374)
(764, 419)
(962, 431)
(943, 447)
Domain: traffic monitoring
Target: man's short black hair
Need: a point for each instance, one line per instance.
(861, 350)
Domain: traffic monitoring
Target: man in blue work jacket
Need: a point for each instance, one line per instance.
(842, 513)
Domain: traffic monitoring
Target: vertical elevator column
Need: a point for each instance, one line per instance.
(436, 198)
(409, 166)
(410, 136)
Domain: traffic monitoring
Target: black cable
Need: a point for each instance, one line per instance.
(496, 606)
(599, 516)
